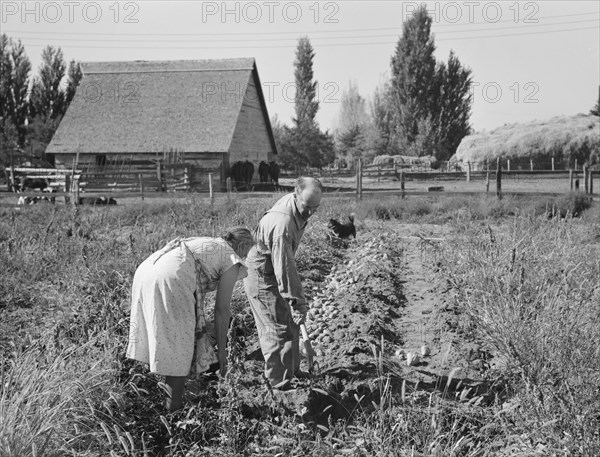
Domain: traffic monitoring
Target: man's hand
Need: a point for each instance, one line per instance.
(299, 313)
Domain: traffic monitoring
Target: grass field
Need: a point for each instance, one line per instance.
(514, 371)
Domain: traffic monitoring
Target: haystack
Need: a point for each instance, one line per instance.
(564, 138)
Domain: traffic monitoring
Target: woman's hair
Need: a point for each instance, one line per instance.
(239, 237)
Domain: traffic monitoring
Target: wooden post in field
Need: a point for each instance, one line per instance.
(186, 178)
(575, 164)
(531, 164)
(210, 187)
(402, 182)
(468, 171)
(498, 178)
(359, 178)
(12, 179)
(159, 176)
(571, 179)
(591, 182)
(552, 163)
(508, 165)
(487, 182)
(378, 174)
(585, 179)
(141, 185)
(75, 190)
(228, 181)
(68, 189)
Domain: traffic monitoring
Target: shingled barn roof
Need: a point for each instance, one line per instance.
(154, 106)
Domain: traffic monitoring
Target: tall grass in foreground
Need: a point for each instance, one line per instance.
(45, 401)
(67, 390)
(532, 292)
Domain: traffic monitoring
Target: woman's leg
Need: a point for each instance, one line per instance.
(176, 385)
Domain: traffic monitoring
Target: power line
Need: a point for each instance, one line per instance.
(319, 45)
(120, 40)
(398, 28)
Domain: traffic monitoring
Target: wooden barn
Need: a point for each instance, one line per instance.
(185, 117)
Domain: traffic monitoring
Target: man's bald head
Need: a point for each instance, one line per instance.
(308, 194)
(305, 182)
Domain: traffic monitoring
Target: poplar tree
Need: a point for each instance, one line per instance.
(430, 102)
(307, 144)
(47, 95)
(306, 104)
(14, 86)
(74, 77)
(452, 107)
(412, 83)
(351, 134)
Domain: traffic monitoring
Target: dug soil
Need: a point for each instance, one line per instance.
(383, 319)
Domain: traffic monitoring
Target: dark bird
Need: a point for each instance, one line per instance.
(343, 230)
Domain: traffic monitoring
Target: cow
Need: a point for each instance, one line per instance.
(24, 200)
(34, 184)
(248, 171)
(236, 173)
(96, 201)
(263, 171)
(274, 172)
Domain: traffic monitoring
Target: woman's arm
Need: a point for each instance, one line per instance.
(223, 312)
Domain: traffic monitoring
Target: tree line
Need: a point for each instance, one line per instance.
(31, 107)
(423, 109)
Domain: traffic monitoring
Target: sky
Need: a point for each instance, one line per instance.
(530, 60)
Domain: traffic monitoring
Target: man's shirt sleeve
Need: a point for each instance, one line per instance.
(284, 266)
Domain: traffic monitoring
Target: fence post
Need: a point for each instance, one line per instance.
(531, 164)
(402, 178)
(359, 178)
(571, 179)
(487, 182)
(159, 176)
(508, 165)
(141, 185)
(575, 164)
(591, 182)
(75, 190)
(498, 179)
(468, 171)
(210, 187)
(68, 189)
(552, 163)
(228, 181)
(585, 179)
(186, 178)
(12, 179)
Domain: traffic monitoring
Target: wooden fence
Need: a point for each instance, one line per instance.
(578, 179)
(145, 178)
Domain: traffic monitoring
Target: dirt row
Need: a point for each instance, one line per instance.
(384, 298)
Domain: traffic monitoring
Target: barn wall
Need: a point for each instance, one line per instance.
(130, 162)
(124, 165)
(250, 138)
